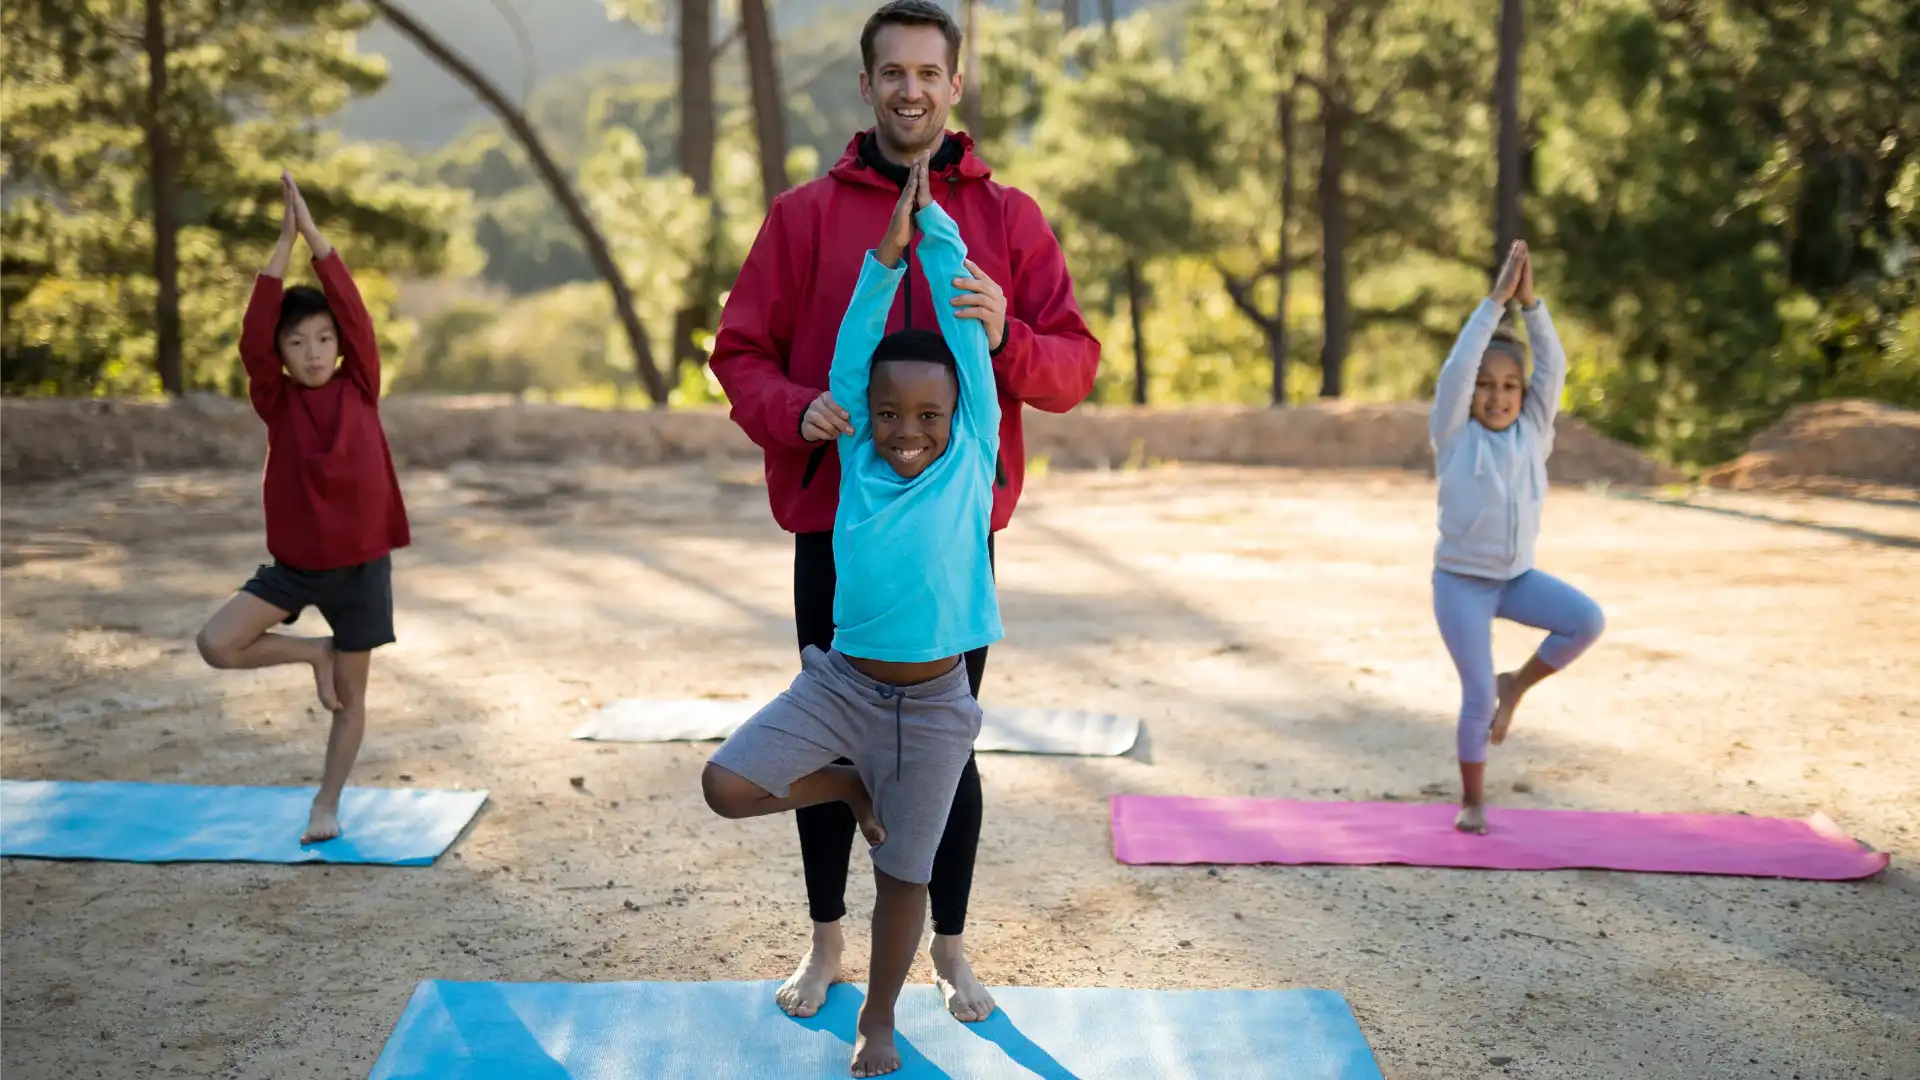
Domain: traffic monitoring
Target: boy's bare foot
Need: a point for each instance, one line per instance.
(873, 1051)
(863, 815)
(1472, 819)
(1508, 699)
(806, 989)
(323, 823)
(323, 676)
(966, 999)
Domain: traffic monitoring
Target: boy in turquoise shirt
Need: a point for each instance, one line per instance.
(915, 593)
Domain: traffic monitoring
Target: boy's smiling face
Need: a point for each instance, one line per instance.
(910, 404)
(310, 349)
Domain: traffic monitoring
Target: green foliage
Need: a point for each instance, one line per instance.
(1723, 200)
(77, 227)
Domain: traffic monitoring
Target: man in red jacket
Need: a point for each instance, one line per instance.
(772, 355)
(333, 507)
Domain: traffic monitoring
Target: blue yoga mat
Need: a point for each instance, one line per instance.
(125, 822)
(635, 1030)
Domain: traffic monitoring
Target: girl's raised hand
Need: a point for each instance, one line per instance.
(1511, 272)
(1525, 291)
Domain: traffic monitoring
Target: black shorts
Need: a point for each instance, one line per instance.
(356, 601)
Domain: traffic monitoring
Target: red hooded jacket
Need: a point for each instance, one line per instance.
(777, 333)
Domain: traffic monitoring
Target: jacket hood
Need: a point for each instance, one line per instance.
(852, 169)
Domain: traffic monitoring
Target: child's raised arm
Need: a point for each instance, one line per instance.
(1453, 395)
(861, 329)
(943, 255)
(359, 349)
(1542, 403)
(865, 322)
(259, 351)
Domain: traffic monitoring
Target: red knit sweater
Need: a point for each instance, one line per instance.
(332, 497)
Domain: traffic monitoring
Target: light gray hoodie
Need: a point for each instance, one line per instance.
(1492, 483)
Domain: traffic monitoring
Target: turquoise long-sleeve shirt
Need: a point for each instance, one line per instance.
(911, 554)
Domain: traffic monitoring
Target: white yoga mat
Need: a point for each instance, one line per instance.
(1072, 732)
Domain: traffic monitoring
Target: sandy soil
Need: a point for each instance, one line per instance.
(1271, 626)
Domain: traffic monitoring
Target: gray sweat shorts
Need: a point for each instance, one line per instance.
(909, 744)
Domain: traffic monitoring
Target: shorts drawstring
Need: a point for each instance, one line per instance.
(899, 733)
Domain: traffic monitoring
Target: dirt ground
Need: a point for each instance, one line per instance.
(1271, 626)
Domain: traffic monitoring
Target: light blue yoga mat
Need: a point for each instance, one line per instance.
(635, 1030)
(127, 822)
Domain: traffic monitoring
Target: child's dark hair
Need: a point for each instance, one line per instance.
(923, 345)
(299, 303)
(911, 13)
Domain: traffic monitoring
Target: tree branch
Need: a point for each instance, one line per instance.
(720, 47)
(556, 180)
(1241, 290)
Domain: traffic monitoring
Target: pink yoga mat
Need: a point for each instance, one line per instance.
(1180, 829)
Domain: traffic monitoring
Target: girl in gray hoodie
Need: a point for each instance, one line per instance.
(1492, 430)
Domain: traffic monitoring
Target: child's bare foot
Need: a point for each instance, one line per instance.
(863, 815)
(1503, 712)
(966, 999)
(1472, 819)
(873, 1051)
(323, 676)
(806, 989)
(323, 823)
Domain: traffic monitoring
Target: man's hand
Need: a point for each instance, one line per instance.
(981, 299)
(900, 229)
(1510, 273)
(824, 420)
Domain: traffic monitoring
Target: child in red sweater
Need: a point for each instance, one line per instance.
(333, 506)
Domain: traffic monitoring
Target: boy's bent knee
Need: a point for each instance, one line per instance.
(217, 653)
(728, 794)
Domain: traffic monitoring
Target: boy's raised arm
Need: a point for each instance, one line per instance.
(943, 255)
(359, 349)
(259, 352)
(861, 329)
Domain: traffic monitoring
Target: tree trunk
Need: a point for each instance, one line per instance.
(1277, 330)
(1106, 14)
(695, 150)
(972, 105)
(1070, 14)
(1136, 302)
(1333, 209)
(769, 111)
(460, 68)
(166, 210)
(1507, 225)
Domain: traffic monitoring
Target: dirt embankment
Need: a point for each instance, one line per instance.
(42, 440)
(1863, 441)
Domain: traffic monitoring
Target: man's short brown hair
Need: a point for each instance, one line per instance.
(911, 13)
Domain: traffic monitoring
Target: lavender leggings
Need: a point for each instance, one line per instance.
(1465, 608)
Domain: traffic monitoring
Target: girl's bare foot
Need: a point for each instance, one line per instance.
(1472, 819)
(873, 1051)
(323, 675)
(966, 999)
(323, 823)
(1509, 698)
(806, 989)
